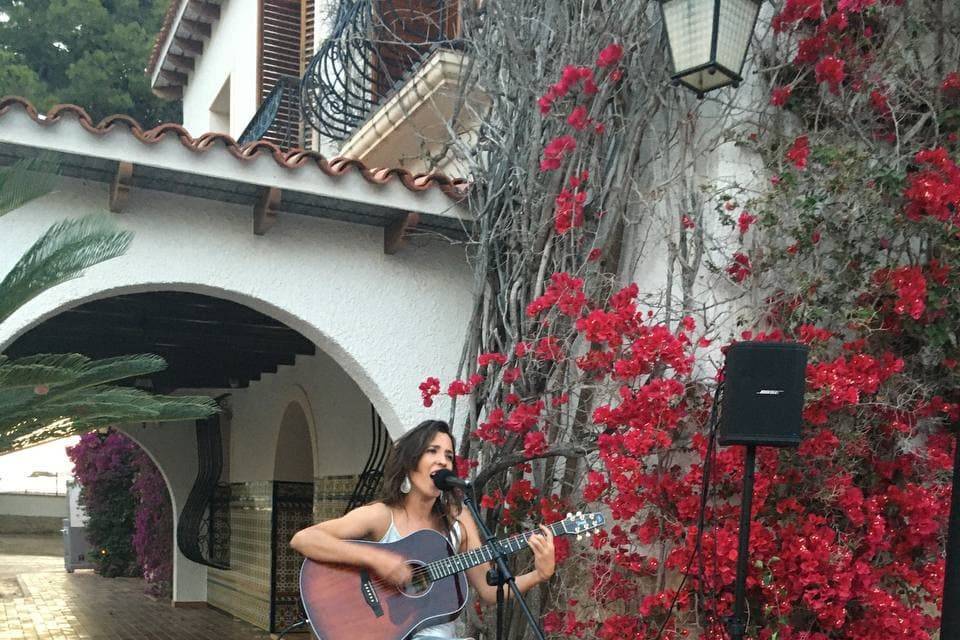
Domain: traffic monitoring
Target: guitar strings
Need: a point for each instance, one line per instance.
(425, 569)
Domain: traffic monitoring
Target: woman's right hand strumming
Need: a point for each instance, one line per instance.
(391, 567)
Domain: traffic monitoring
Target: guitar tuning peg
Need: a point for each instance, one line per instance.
(569, 515)
(579, 536)
(579, 514)
(589, 534)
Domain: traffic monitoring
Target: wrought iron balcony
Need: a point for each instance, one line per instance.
(373, 46)
(278, 118)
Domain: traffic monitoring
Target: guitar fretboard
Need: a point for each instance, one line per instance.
(462, 561)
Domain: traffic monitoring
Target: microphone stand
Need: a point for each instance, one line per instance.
(504, 575)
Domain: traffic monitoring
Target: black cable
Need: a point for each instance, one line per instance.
(696, 553)
(291, 628)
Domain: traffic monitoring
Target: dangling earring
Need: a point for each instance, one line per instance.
(405, 485)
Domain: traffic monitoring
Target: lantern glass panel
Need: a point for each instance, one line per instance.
(690, 30)
(737, 18)
(704, 80)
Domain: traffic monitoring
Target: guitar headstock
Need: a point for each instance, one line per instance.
(580, 524)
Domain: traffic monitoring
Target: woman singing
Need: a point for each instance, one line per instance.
(411, 502)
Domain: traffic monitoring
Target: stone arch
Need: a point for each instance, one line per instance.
(21, 323)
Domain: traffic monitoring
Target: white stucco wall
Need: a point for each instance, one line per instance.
(230, 52)
(336, 411)
(27, 504)
(173, 448)
(387, 321)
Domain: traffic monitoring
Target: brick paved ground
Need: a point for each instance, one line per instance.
(55, 605)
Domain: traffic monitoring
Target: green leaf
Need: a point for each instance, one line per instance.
(26, 180)
(61, 254)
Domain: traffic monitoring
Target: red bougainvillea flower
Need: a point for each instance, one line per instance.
(935, 190)
(610, 55)
(485, 359)
(571, 77)
(780, 95)
(578, 118)
(429, 388)
(830, 71)
(744, 221)
(740, 269)
(534, 443)
(555, 151)
(569, 210)
(951, 84)
(910, 286)
(799, 151)
(796, 10)
(564, 292)
(458, 388)
(879, 102)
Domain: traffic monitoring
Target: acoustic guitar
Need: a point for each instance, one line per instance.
(344, 602)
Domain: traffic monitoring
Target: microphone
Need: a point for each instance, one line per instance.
(446, 480)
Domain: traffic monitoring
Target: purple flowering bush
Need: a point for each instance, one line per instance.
(130, 517)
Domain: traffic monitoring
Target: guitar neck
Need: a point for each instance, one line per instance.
(462, 561)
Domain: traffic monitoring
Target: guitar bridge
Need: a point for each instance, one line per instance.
(370, 594)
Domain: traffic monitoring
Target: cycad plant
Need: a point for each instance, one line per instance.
(49, 396)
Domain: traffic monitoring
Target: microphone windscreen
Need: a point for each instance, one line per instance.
(441, 479)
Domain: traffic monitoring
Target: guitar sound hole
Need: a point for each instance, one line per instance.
(420, 583)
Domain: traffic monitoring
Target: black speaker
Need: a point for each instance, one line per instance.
(763, 394)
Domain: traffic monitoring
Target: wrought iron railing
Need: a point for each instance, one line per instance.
(372, 475)
(202, 530)
(278, 118)
(374, 44)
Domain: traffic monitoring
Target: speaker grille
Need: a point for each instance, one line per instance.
(763, 394)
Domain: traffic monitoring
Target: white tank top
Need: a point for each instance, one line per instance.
(447, 629)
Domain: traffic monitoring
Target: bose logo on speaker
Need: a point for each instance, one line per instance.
(769, 392)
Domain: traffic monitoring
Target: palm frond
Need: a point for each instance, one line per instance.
(45, 379)
(62, 253)
(96, 407)
(25, 180)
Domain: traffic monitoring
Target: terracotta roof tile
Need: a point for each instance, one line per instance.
(292, 159)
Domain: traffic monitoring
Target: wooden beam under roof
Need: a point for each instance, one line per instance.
(188, 46)
(206, 10)
(395, 234)
(195, 27)
(173, 77)
(265, 211)
(120, 187)
(180, 63)
(168, 92)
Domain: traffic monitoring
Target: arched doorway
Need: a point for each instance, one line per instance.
(277, 387)
(293, 487)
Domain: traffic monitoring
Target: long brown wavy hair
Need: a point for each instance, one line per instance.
(404, 458)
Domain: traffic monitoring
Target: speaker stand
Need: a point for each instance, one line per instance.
(950, 609)
(737, 624)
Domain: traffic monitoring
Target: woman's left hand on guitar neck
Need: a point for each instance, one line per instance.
(544, 560)
(544, 553)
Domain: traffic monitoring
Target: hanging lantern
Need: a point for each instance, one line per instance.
(708, 41)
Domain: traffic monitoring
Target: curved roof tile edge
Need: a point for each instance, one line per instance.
(455, 189)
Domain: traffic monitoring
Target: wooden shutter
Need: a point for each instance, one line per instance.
(280, 55)
(307, 48)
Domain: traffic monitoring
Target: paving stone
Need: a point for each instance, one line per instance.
(84, 606)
